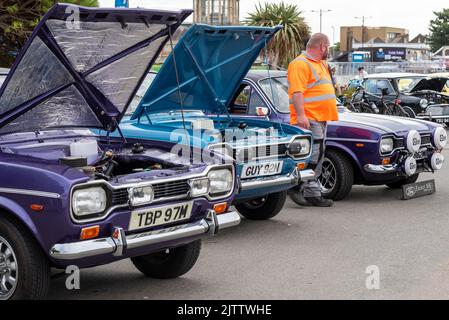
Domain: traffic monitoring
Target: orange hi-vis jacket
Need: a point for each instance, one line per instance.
(312, 79)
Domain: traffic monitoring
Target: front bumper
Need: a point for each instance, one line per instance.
(381, 169)
(118, 242)
(292, 179)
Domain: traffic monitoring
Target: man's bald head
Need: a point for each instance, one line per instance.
(318, 46)
(316, 40)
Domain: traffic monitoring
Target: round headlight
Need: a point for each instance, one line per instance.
(413, 141)
(141, 195)
(439, 138)
(89, 201)
(386, 145)
(424, 103)
(221, 181)
(299, 147)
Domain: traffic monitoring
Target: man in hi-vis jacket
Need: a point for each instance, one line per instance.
(312, 104)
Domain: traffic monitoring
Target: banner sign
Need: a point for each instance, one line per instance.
(122, 3)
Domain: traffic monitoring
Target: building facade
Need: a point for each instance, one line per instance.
(216, 12)
(361, 35)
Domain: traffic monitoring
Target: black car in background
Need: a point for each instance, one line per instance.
(420, 95)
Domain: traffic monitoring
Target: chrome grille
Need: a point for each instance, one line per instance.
(438, 110)
(119, 197)
(425, 140)
(267, 151)
(171, 189)
(161, 190)
(399, 143)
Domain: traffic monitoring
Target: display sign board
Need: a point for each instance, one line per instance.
(418, 189)
(389, 54)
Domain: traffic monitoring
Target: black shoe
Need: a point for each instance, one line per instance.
(299, 199)
(318, 202)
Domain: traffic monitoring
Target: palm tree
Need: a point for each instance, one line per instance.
(289, 41)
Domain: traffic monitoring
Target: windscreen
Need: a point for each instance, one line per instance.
(277, 91)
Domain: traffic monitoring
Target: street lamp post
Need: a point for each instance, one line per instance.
(321, 17)
(363, 28)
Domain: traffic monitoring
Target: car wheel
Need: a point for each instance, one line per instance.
(24, 268)
(169, 263)
(400, 183)
(263, 208)
(337, 176)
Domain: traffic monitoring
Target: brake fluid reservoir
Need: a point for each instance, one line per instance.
(85, 148)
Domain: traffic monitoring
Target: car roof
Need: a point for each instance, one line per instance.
(257, 75)
(394, 75)
(439, 75)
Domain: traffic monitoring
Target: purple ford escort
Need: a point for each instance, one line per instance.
(68, 197)
(364, 149)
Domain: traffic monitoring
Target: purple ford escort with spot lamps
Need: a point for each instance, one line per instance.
(68, 197)
(364, 149)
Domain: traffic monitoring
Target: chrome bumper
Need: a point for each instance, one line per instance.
(379, 169)
(307, 175)
(118, 243)
(268, 182)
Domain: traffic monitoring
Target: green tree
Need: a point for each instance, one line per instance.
(289, 41)
(17, 21)
(439, 30)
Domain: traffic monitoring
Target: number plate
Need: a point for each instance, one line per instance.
(442, 120)
(160, 215)
(262, 169)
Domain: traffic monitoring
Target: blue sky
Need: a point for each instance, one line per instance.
(394, 13)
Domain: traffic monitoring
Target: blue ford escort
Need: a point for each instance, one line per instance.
(187, 102)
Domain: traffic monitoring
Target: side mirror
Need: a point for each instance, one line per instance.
(384, 91)
(262, 111)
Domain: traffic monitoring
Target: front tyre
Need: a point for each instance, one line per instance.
(337, 176)
(169, 263)
(263, 208)
(24, 269)
(400, 183)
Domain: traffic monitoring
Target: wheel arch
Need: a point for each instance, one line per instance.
(409, 110)
(358, 174)
(13, 211)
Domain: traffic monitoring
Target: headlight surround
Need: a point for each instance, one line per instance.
(89, 201)
(424, 103)
(386, 145)
(221, 181)
(299, 147)
(199, 187)
(141, 195)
